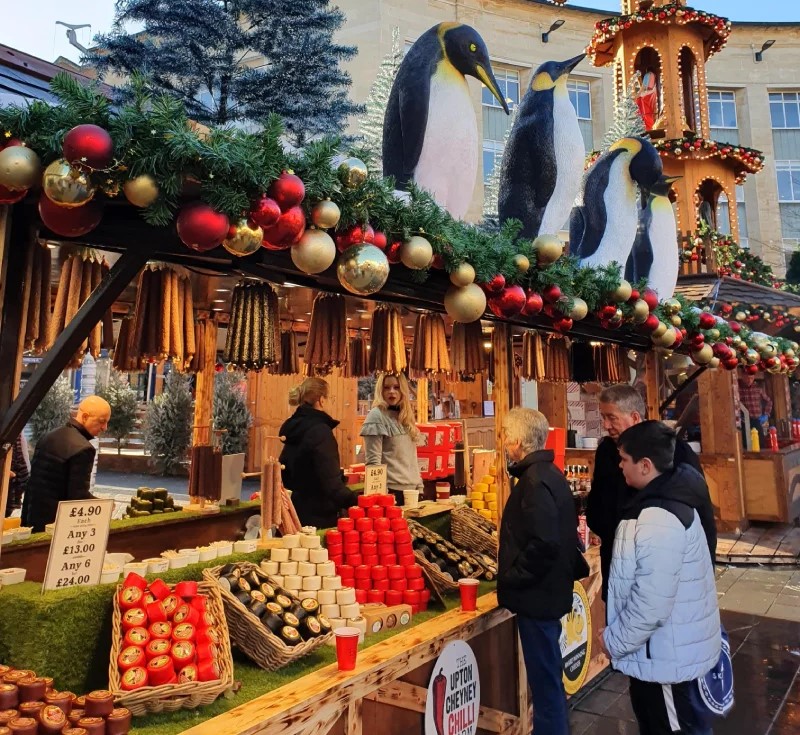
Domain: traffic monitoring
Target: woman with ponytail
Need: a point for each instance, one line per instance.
(390, 434)
(310, 457)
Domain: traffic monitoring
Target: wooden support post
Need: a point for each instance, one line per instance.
(652, 377)
(553, 403)
(204, 391)
(422, 400)
(501, 352)
(722, 448)
(777, 387)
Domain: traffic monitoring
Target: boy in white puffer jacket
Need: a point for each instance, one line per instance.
(663, 618)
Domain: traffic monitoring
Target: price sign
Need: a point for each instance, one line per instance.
(79, 543)
(375, 479)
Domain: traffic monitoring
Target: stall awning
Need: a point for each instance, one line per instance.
(733, 291)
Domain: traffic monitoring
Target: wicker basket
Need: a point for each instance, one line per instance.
(442, 583)
(467, 532)
(254, 639)
(173, 697)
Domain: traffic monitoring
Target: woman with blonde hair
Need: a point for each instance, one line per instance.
(390, 434)
(310, 457)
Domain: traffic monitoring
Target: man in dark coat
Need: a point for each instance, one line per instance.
(62, 464)
(537, 557)
(622, 406)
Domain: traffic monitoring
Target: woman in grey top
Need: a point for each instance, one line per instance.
(390, 434)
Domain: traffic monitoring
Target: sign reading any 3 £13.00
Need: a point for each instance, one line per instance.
(79, 543)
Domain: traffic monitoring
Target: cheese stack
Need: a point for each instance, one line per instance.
(302, 567)
(484, 496)
(372, 550)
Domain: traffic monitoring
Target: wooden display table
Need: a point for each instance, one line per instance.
(772, 484)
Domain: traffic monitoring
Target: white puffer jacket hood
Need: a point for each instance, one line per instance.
(663, 617)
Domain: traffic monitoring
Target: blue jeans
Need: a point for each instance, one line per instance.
(542, 656)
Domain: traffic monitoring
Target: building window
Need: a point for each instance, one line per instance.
(722, 109)
(495, 121)
(784, 108)
(788, 180)
(790, 246)
(581, 98)
(492, 156)
(508, 84)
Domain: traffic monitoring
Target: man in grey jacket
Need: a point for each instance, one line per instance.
(663, 618)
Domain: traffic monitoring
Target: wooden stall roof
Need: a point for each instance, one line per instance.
(733, 291)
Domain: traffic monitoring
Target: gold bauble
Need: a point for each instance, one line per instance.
(325, 214)
(704, 355)
(752, 357)
(659, 330)
(713, 334)
(790, 352)
(622, 292)
(667, 339)
(416, 253)
(363, 269)
(141, 191)
(353, 172)
(66, 186)
(740, 316)
(465, 304)
(640, 311)
(736, 340)
(579, 309)
(548, 249)
(315, 252)
(713, 363)
(521, 263)
(675, 320)
(767, 349)
(20, 168)
(672, 306)
(463, 275)
(243, 240)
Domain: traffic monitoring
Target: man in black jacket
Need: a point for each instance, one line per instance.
(61, 468)
(621, 406)
(537, 556)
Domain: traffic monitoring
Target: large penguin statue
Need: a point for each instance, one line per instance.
(655, 250)
(430, 134)
(603, 222)
(543, 160)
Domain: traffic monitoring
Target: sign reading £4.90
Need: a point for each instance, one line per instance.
(454, 693)
(576, 640)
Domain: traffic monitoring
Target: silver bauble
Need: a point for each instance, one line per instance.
(314, 253)
(353, 172)
(363, 269)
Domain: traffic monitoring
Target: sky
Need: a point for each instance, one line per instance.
(29, 25)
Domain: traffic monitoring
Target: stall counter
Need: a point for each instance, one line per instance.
(772, 484)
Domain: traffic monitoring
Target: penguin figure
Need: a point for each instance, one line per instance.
(655, 250)
(430, 134)
(603, 222)
(543, 160)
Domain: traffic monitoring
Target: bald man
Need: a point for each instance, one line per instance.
(61, 468)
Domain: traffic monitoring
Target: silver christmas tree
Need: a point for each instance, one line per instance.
(627, 118)
(372, 126)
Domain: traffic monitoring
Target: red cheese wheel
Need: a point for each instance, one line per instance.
(394, 512)
(130, 597)
(333, 536)
(353, 560)
(396, 572)
(398, 585)
(363, 524)
(362, 584)
(345, 570)
(376, 596)
(394, 597)
(157, 647)
(381, 524)
(403, 549)
(379, 572)
(160, 670)
(134, 678)
(398, 524)
(159, 588)
(406, 560)
(362, 572)
(371, 559)
(380, 584)
(365, 501)
(131, 656)
(416, 584)
(385, 500)
(411, 597)
(351, 537)
(345, 524)
(369, 537)
(134, 580)
(186, 589)
(156, 612)
(376, 511)
(402, 537)
(361, 596)
(356, 512)
(389, 559)
(352, 548)
(369, 549)
(413, 571)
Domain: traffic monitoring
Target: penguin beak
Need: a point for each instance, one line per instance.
(486, 75)
(671, 179)
(567, 66)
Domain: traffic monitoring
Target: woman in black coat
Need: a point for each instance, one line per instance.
(310, 458)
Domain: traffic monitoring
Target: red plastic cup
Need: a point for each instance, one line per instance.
(346, 647)
(469, 594)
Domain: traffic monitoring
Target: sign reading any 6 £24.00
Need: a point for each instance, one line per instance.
(79, 544)
(454, 693)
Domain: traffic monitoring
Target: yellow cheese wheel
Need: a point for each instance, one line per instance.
(493, 470)
(487, 479)
(479, 487)
(9, 524)
(478, 504)
(492, 504)
(486, 514)
(477, 496)
(490, 496)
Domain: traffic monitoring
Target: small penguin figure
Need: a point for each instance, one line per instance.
(543, 160)
(603, 222)
(430, 133)
(655, 250)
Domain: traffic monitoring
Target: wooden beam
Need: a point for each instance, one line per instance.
(553, 403)
(204, 389)
(501, 352)
(652, 379)
(422, 400)
(67, 343)
(353, 715)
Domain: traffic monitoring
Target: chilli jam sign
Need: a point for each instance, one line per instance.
(576, 640)
(454, 693)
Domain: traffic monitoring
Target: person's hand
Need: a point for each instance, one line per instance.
(602, 644)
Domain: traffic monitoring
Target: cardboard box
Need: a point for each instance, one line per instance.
(380, 616)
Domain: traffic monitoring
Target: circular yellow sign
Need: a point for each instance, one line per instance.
(576, 640)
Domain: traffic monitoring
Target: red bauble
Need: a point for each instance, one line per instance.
(721, 350)
(650, 297)
(650, 324)
(369, 234)
(552, 293)
(286, 231)
(11, 143)
(607, 312)
(379, 241)
(353, 235)
(678, 339)
(726, 309)
(735, 326)
(731, 363)
(563, 325)
(437, 262)
(707, 320)
(70, 221)
(200, 227)
(634, 296)
(88, 146)
(508, 303)
(697, 341)
(9, 196)
(533, 304)
(496, 284)
(394, 251)
(287, 190)
(751, 369)
(265, 212)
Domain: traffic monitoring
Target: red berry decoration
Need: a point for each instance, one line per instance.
(394, 251)
(286, 231)
(533, 304)
(496, 284)
(88, 147)
(551, 294)
(70, 221)
(508, 303)
(201, 227)
(287, 190)
(650, 298)
(265, 211)
(379, 241)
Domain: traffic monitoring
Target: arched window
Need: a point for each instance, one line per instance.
(708, 198)
(690, 90)
(648, 100)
